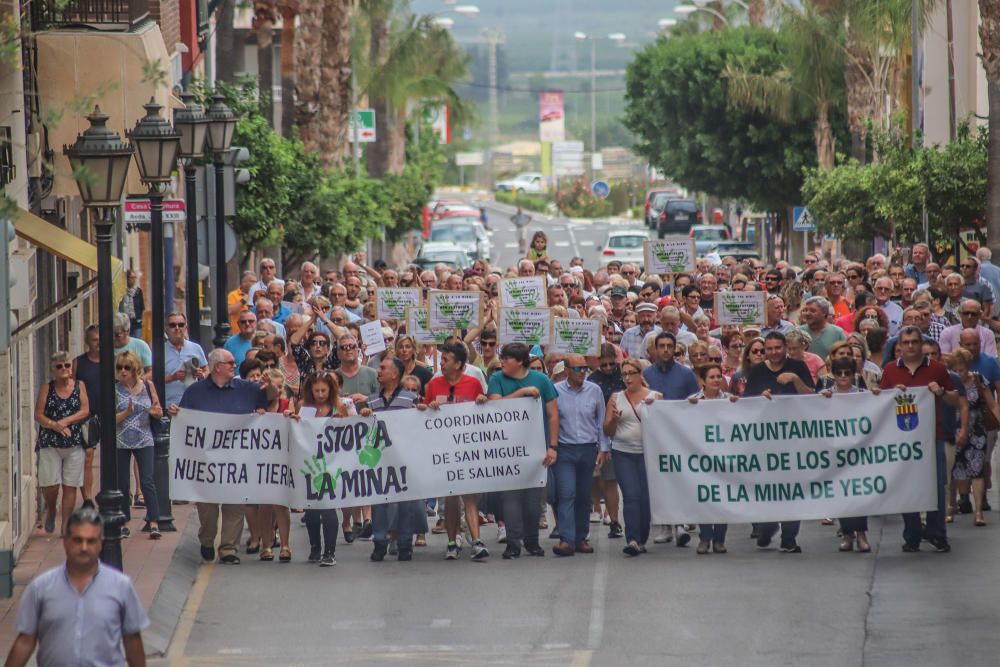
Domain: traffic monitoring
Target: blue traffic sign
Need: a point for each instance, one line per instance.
(601, 189)
(803, 220)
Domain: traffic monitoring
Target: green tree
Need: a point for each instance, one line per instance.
(677, 107)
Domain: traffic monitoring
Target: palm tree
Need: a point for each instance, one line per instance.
(989, 35)
(810, 84)
(755, 11)
(289, 11)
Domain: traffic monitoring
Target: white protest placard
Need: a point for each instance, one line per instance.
(668, 256)
(371, 337)
(740, 308)
(416, 326)
(454, 310)
(393, 456)
(576, 336)
(526, 292)
(793, 457)
(531, 326)
(391, 302)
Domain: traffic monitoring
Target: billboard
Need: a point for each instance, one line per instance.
(551, 116)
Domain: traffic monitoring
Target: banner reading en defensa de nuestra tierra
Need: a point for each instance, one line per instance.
(795, 457)
(330, 463)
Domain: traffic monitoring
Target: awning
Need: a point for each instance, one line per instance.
(62, 244)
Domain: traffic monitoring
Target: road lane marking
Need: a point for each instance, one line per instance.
(576, 246)
(441, 623)
(598, 600)
(562, 244)
(175, 654)
(587, 242)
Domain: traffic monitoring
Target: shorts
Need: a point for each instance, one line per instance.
(60, 466)
(606, 472)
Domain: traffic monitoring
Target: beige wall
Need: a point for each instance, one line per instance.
(970, 78)
(75, 65)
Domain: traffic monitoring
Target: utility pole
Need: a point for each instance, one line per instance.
(593, 96)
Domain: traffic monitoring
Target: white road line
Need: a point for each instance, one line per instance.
(441, 623)
(562, 244)
(598, 600)
(587, 243)
(576, 246)
(510, 245)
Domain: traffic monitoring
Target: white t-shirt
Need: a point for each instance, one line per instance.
(628, 436)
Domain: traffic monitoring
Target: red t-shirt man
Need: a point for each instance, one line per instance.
(467, 389)
(896, 373)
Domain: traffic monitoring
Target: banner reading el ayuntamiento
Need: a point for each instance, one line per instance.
(794, 457)
(390, 456)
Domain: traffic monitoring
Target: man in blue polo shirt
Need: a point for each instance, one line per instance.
(222, 392)
(184, 360)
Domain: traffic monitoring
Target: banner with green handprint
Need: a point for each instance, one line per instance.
(325, 463)
(416, 326)
(523, 292)
(454, 310)
(531, 326)
(669, 256)
(740, 308)
(391, 302)
(575, 336)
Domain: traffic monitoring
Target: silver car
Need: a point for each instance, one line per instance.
(624, 246)
(470, 236)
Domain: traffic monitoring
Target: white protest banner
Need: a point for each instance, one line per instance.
(740, 308)
(416, 326)
(794, 457)
(526, 292)
(576, 336)
(463, 448)
(531, 326)
(391, 302)
(230, 458)
(454, 310)
(371, 337)
(668, 256)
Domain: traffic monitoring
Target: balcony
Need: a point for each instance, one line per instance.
(106, 15)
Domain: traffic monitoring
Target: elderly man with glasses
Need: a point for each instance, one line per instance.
(241, 341)
(184, 360)
(267, 273)
(970, 312)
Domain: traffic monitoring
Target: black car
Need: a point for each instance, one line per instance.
(655, 201)
(677, 217)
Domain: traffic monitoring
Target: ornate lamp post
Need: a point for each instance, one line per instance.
(221, 128)
(100, 161)
(156, 145)
(192, 125)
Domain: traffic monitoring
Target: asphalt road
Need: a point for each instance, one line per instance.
(669, 607)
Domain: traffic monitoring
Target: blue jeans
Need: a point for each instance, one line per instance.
(630, 469)
(402, 518)
(144, 457)
(789, 531)
(574, 471)
(713, 532)
(912, 532)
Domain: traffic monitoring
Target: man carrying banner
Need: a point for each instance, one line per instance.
(913, 369)
(521, 507)
(222, 392)
(781, 375)
(454, 386)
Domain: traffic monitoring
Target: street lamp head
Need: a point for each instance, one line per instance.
(617, 37)
(685, 10)
(192, 124)
(100, 162)
(580, 36)
(467, 10)
(221, 125)
(156, 144)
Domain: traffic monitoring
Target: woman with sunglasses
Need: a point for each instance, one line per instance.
(713, 384)
(136, 403)
(845, 381)
(753, 353)
(321, 400)
(733, 345)
(623, 424)
(60, 410)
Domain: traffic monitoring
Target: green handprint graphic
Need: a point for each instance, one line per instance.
(317, 470)
(369, 455)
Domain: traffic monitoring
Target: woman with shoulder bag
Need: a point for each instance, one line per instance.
(136, 403)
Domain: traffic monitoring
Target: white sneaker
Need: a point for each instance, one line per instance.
(501, 534)
(595, 517)
(606, 520)
(664, 534)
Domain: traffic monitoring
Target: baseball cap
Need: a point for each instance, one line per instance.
(619, 291)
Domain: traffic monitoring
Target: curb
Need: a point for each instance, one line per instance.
(172, 595)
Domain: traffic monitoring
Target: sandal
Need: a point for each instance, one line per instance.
(285, 555)
(980, 521)
(253, 550)
(421, 540)
(267, 555)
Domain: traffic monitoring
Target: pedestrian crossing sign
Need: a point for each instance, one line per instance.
(803, 220)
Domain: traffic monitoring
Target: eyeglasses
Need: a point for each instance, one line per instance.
(628, 273)
(967, 266)
(347, 347)
(177, 325)
(319, 342)
(844, 374)
(487, 343)
(628, 374)
(970, 313)
(120, 368)
(231, 362)
(579, 369)
(810, 261)
(737, 346)
(834, 282)
(606, 364)
(63, 365)
(883, 289)
(853, 276)
(770, 279)
(756, 350)
(248, 321)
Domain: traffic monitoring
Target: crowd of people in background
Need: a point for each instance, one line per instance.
(831, 327)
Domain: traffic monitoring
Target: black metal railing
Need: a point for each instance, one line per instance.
(112, 15)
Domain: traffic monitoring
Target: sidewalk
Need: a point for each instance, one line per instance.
(146, 563)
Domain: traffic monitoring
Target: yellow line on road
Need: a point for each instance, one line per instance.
(175, 655)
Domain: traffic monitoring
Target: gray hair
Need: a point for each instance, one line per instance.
(59, 355)
(121, 321)
(984, 254)
(822, 302)
(802, 336)
(955, 275)
(217, 356)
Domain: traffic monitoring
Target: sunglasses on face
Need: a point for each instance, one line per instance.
(488, 343)
(844, 374)
(347, 347)
(120, 368)
(967, 266)
(242, 322)
(177, 325)
(319, 342)
(970, 313)
(579, 369)
(62, 366)
(757, 350)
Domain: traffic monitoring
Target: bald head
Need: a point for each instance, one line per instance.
(969, 340)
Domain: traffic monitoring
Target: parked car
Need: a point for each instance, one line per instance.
(531, 182)
(677, 217)
(656, 198)
(469, 236)
(449, 209)
(624, 246)
(707, 237)
(434, 253)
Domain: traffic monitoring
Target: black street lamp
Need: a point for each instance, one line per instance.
(156, 145)
(192, 124)
(221, 128)
(100, 161)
